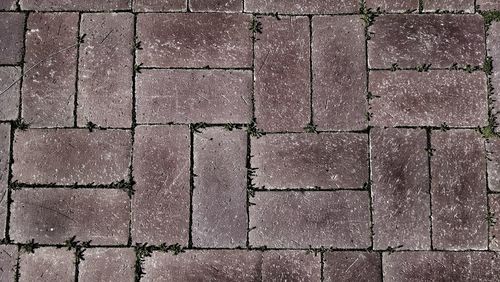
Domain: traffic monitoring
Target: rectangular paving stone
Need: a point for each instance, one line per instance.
(285, 219)
(47, 264)
(493, 164)
(190, 96)
(11, 38)
(458, 190)
(4, 173)
(8, 262)
(48, 89)
(410, 98)
(8, 5)
(290, 266)
(439, 266)
(216, 5)
(69, 156)
(204, 265)
(107, 265)
(74, 5)
(494, 222)
(488, 5)
(220, 188)
(190, 40)
(302, 6)
(160, 205)
(493, 45)
(159, 5)
(325, 160)
(105, 70)
(413, 40)
(400, 189)
(466, 6)
(9, 99)
(282, 74)
(393, 6)
(339, 73)
(352, 266)
(53, 215)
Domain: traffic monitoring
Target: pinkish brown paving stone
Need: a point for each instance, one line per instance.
(4, 173)
(441, 266)
(74, 5)
(11, 38)
(216, 5)
(303, 160)
(107, 265)
(302, 6)
(466, 6)
(220, 193)
(8, 5)
(68, 156)
(413, 40)
(393, 6)
(190, 40)
(352, 266)
(400, 189)
(47, 265)
(160, 205)
(410, 98)
(53, 215)
(48, 89)
(159, 5)
(493, 44)
(8, 262)
(493, 163)
(10, 98)
(488, 5)
(494, 221)
(287, 219)
(339, 73)
(458, 190)
(105, 70)
(290, 266)
(204, 265)
(190, 96)
(282, 74)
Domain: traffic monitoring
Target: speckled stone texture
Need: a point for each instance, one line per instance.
(66, 157)
(11, 38)
(71, 5)
(302, 6)
(10, 99)
(291, 266)
(400, 189)
(458, 191)
(5, 133)
(190, 96)
(493, 159)
(159, 5)
(413, 40)
(216, 5)
(409, 98)
(7, 5)
(338, 219)
(493, 218)
(325, 161)
(104, 70)
(393, 6)
(488, 5)
(8, 263)
(189, 40)
(493, 44)
(47, 264)
(282, 76)
(107, 265)
(463, 6)
(352, 266)
(219, 197)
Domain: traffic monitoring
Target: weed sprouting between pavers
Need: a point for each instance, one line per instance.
(20, 124)
(253, 130)
(144, 250)
(311, 128)
(30, 246)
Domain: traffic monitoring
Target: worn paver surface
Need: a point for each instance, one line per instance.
(249, 140)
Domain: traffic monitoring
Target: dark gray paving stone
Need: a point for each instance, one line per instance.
(4, 173)
(282, 74)
(72, 5)
(466, 6)
(220, 193)
(105, 70)
(107, 265)
(441, 266)
(190, 96)
(302, 160)
(159, 5)
(393, 6)
(53, 215)
(204, 265)
(11, 38)
(339, 72)
(290, 266)
(488, 5)
(494, 221)
(410, 98)
(302, 6)
(190, 40)
(493, 163)
(400, 189)
(458, 190)
(216, 5)
(68, 156)
(48, 89)
(8, 5)
(338, 219)
(493, 44)
(440, 40)
(9, 99)
(8, 262)
(160, 205)
(47, 265)
(352, 266)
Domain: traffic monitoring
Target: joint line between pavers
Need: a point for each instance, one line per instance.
(249, 186)
(311, 116)
(429, 156)
(488, 210)
(322, 266)
(75, 102)
(191, 185)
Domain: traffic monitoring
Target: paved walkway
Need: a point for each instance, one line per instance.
(255, 140)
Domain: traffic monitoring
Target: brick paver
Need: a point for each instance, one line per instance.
(493, 217)
(10, 99)
(393, 6)
(11, 38)
(5, 134)
(47, 264)
(71, 5)
(493, 164)
(8, 262)
(103, 264)
(159, 5)
(352, 266)
(466, 6)
(302, 6)
(290, 266)
(493, 44)
(488, 5)
(216, 5)
(8, 5)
